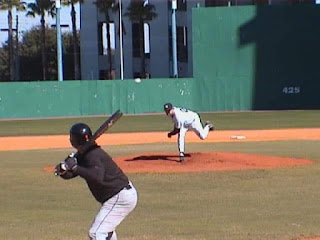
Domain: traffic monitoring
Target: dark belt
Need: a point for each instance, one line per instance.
(127, 187)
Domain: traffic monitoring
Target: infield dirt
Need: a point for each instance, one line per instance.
(168, 162)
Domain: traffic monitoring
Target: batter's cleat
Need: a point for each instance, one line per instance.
(181, 157)
(210, 125)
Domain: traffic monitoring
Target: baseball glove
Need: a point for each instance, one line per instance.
(173, 132)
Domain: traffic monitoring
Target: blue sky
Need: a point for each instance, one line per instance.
(25, 23)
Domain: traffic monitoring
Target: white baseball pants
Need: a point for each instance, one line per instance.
(112, 212)
(196, 126)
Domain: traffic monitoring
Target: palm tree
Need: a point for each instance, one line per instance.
(142, 12)
(104, 7)
(74, 36)
(40, 7)
(9, 5)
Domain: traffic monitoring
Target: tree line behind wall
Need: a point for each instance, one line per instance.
(28, 61)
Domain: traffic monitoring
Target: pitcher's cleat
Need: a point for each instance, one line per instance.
(181, 157)
(210, 125)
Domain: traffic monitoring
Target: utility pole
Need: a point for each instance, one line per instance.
(11, 47)
(174, 39)
(120, 39)
(17, 67)
(59, 45)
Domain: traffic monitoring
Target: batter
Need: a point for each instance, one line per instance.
(106, 181)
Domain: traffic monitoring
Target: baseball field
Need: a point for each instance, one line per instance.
(255, 177)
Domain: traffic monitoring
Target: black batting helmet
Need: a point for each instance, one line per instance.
(167, 107)
(80, 133)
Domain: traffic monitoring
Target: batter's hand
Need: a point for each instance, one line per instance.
(60, 169)
(169, 135)
(71, 164)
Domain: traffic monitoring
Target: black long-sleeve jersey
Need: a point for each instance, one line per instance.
(103, 176)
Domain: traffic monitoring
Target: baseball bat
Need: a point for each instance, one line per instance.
(103, 128)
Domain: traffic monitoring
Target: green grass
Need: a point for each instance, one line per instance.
(237, 205)
(160, 122)
(280, 204)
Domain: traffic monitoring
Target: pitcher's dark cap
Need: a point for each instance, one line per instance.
(167, 107)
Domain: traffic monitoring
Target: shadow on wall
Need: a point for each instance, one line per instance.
(287, 40)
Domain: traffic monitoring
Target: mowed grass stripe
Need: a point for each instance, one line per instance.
(160, 122)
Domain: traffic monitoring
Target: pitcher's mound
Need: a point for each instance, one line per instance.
(204, 161)
(197, 162)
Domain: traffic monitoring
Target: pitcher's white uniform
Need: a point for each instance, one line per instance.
(186, 120)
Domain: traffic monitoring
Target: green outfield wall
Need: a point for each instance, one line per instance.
(77, 98)
(259, 58)
(244, 58)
